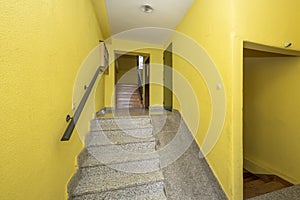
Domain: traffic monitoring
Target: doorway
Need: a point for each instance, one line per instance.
(168, 78)
(131, 76)
(147, 82)
(270, 109)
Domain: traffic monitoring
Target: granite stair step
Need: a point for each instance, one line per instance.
(137, 118)
(128, 98)
(121, 95)
(119, 161)
(128, 101)
(137, 103)
(139, 133)
(133, 162)
(128, 92)
(138, 147)
(154, 196)
(120, 123)
(130, 106)
(126, 89)
(98, 138)
(292, 192)
(105, 181)
(127, 85)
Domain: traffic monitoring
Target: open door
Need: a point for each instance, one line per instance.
(168, 78)
(147, 81)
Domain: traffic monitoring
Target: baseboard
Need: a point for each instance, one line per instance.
(156, 108)
(257, 167)
(104, 111)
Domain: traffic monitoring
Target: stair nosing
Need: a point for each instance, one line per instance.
(120, 188)
(112, 144)
(115, 163)
(124, 185)
(122, 139)
(123, 117)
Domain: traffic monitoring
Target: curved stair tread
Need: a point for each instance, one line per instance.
(157, 196)
(121, 123)
(98, 180)
(87, 159)
(292, 192)
(98, 138)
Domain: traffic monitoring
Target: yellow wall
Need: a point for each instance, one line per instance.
(95, 102)
(271, 116)
(127, 65)
(100, 94)
(191, 96)
(221, 28)
(156, 57)
(209, 23)
(43, 44)
(99, 7)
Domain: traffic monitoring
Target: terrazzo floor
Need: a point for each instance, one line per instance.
(189, 176)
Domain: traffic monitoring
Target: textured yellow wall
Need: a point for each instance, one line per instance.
(42, 46)
(95, 102)
(271, 116)
(208, 23)
(194, 112)
(100, 94)
(127, 65)
(102, 17)
(221, 28)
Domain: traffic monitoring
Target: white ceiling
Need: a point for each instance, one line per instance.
(127, 21)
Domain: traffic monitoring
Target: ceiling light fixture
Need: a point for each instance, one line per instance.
(147, 8)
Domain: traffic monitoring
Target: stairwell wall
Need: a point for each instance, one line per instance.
(208, 24)
(127, 65)
(222, 28)
(43, 44)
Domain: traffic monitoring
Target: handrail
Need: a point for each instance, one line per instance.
(140, 84)
(74, 119)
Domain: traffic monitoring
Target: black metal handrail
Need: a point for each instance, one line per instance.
(140, 84)
(68, 132)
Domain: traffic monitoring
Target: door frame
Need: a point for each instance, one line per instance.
(263, 50)
(168, 52)
(118, 53)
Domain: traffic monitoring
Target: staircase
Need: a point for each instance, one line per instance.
(288, 193)
(128, 96)
(260, 184)
(119, 161)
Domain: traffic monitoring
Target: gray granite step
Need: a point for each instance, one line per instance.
(134, 147)
(154, 196)
(134, 162)
(97, 138)
(140, 133)
(289, 193)
(109, 183)
(119, 161)
(121, 123)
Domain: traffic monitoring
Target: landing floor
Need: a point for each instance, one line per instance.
(189, 176)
